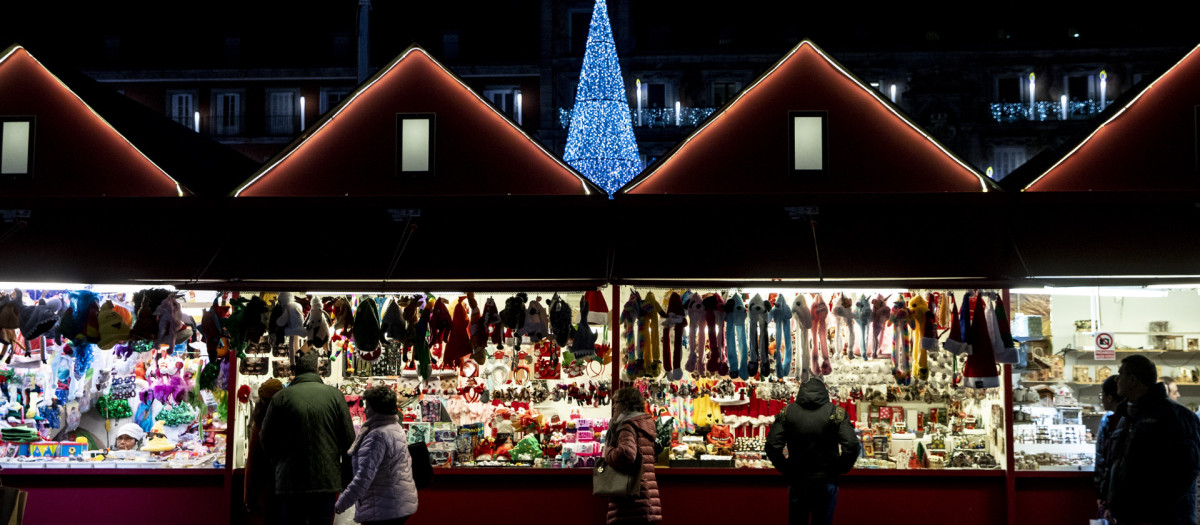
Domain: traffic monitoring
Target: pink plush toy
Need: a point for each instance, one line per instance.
(880, 313)
(803, 315)
(820, 331)
(693, 304)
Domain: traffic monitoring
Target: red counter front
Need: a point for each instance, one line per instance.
(71, 497)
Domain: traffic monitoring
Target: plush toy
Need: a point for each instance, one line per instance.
(316, 327)
(513, 314)
(820, 332)
(255, 319)
(843, 312)
(477, 330)
(758, 312)
(560, 320)
(804, 321)
(736, 347)
(170, 321)
(901, 321)
(693, 304)
(924, 336)
(956, 341)
(781, 315)
(880, 314)
(458, 343)
(649, 342)
(420, 344)
(672, 336)
(629, 318)
(391, 325)
(527, 449)
(343, 317)
(536, 320)
(583, 344)
(492, 322)
(440, 322)
(862, 319)
(210, 328)
(714, 319)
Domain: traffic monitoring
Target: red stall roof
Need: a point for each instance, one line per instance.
(871, 147)
(477, 149)
(1149, 144)
(76, 152)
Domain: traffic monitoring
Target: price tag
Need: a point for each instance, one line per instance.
(209, 399)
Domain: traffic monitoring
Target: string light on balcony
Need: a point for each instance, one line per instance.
(1103, 86)
(600, 141)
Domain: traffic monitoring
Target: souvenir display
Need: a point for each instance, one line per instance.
(892, 359)
(82, 366)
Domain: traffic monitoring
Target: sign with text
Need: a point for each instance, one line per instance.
(1105, 347)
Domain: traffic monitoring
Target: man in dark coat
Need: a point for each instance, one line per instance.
(307, 432)
(1156, 459)
(821, 447)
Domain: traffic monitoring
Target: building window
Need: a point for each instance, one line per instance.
(1081, 88)
(1005, 159)
(577, 33)
(16, 146)
(723, 92)
(182, 107)
(415, 133)
(808, 140)
(1009, 89)
(227, 113)
(507, 99)
(281, 111)
(331, 97)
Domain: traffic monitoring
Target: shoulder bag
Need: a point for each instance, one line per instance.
(612, 483)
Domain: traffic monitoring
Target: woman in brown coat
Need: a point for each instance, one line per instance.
(630, 445)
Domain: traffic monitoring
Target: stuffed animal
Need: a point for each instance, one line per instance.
(316, 327)
(583, 344)
(513, 314)
(804, 321)
(492, 322)
(366, 330)
(343, 317)
(440, 322)
(862, 320)
(758, 312)
(210, 328)
(880, 314)
(170, 321)
(255, 319)
(673, 326)
(477, 330)
(693, 304)
(924, 336)
(820, 333)
(629, 319)
(648, 339)
(843, 311)
(560, 320)
(781, 315)
(420, 344)
(736, 347)
(901, 322)
(391, 325)
(714, 319)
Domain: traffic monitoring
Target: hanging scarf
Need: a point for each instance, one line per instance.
(372, 423)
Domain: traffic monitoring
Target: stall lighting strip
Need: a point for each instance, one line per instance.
(806, 280)
(14, 48)
(1088, 291)
(1114, 117)
(983, 184)
(379, 76)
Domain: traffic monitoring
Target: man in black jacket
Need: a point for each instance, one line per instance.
(821, 446)
(1156, 459)
(307, 432)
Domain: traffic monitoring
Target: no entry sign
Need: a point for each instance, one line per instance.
(1105, 350)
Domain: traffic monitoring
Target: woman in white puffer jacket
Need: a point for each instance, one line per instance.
(382, 490)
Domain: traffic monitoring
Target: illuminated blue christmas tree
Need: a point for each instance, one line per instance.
(600, 141)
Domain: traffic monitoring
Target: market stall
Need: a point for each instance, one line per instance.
(831, 229)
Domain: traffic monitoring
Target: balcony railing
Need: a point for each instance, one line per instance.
(653, 118)
(241, 126)
(1006, 112)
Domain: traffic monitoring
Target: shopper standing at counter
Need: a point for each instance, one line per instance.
(821, 447)
(307, 431)
(1156, 459)
(382, 491)
(628, 446)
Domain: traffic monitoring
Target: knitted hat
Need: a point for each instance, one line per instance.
(269, 388)
(584, 342)
(392, 325)
(597, 307)
(292, 319)
(113, 329)
(10, 310)
(956, 343)
(560, 320)
(145, 328)
(366, 328)
(459, 343)
(132, 430)
(981, 370)
(274, 326)
(170, 321)
(210, 328)
(1005, 330)
(513, 313)
(253, 320)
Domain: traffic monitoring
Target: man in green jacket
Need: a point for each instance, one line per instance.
(307, 432)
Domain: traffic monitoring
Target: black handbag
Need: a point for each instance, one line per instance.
(612, 483)
(422, 466)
